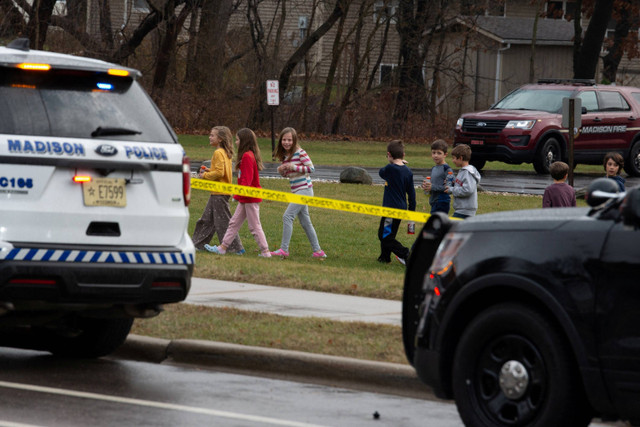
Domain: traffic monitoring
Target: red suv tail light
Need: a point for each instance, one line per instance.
(186, 180)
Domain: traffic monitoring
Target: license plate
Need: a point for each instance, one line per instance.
(477, 142)
(105, 192)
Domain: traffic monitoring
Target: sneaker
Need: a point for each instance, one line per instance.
(214, 249)
(401, 260)
(280, 252)
(319, 254)
(240, 252)
(384, 261)
(265, 255)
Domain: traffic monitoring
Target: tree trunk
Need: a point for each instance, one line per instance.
(167, 49)
(411, 27)
(611, 60)
(577, 37)
(207, 68)
(106, 33)
(297, 56)
(38, 25)
(592, 43)
(336, 53)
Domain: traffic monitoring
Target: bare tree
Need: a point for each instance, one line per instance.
(336, 53)
(623, 40)
(587, 59)
(206, 67)
(297, 56)
(411, 26)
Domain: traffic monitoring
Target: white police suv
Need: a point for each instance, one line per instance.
(94, 190)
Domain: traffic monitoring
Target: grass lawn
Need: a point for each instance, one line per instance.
(355, 153)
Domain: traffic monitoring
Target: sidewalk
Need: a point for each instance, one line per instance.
(392, 378)
(293, 302)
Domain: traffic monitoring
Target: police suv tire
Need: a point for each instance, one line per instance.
(632, 162)
(549, 152)
(95, 338)
(498, 345)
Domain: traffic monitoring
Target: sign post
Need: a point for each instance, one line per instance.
(571, 119)
(273, 100)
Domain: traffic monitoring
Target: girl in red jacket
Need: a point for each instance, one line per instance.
(249, 163)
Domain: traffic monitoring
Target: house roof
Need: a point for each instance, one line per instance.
(520, 30)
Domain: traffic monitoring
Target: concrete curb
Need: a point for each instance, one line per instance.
(391, 378)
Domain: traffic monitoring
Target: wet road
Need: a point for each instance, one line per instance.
(496, 181)
(39, 390)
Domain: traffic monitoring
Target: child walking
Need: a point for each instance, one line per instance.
(438, 199)
(613, 163)
(398, 188)
(249, 163)
(216, 214)
(559, 194)
(296, 165)
(465, 186)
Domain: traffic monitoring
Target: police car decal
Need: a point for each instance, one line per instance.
(15, 185)
(140, 152)
(604, 129)
(109, 257)
(17, 146)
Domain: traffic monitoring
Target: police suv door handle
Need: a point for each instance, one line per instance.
(597, 119)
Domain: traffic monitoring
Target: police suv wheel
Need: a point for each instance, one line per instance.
(549, 153)
(512, 368)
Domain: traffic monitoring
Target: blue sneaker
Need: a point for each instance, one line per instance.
(241, 252)
(214, 249)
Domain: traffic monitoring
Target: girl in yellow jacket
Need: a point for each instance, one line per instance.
(216, 215)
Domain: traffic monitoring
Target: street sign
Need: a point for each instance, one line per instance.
(577, 112)
(273, 92)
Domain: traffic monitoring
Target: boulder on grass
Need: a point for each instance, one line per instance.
(355, 175)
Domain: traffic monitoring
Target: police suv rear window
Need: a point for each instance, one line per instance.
(75, 104)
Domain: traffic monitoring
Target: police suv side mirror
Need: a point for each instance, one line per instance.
(584, 110)
(631, 208)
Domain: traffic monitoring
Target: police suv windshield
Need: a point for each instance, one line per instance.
(73, 104)
(548, 100)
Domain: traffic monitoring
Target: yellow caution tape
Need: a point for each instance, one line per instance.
(319, 202)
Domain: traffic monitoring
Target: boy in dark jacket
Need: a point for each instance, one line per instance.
(398, 188)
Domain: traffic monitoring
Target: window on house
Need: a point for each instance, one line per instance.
(561, 10)
(388, 74)
(385, 9)
(141, 5)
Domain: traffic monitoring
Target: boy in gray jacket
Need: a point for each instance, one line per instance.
(465, 188)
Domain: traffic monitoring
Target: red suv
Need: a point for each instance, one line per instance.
(526, 126)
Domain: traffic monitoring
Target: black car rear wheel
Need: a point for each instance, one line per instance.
(512, 368)
(549, 153)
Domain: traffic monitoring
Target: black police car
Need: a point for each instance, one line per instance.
(530, 318)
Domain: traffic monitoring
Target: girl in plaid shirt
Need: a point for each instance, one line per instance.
(297, 166)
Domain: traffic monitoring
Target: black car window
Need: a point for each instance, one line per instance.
(612, 101)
